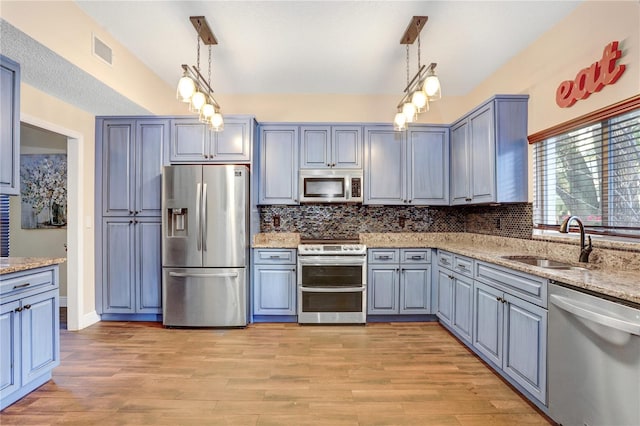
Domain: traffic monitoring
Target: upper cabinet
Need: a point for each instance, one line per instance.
(193, 142)
(132, 160)
(489, 153)
(327, 147)
(406, 168)
(278, 164)
(9, 126)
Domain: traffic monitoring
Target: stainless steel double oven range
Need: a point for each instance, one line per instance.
(332, 282)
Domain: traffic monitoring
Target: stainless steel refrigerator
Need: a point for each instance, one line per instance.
(205, 245)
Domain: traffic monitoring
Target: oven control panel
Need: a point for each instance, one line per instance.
(331, 249)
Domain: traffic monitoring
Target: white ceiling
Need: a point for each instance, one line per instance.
(350, 47)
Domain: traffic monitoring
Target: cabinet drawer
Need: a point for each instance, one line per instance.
(445, 259)
(415, 256)
(524, 286)
(27, 281)
(463, 265)
(277, 256)
(383, 256)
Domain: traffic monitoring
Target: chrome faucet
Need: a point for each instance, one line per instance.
(584, 250)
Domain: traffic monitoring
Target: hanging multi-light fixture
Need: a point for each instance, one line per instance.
(193, 88)
(425, 85)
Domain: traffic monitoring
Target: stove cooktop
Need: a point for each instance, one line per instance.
(331, 247)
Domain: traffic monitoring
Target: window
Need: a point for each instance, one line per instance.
(4, 225)
(591, 171)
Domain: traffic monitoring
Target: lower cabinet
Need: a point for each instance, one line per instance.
(399, 281)
(274, 282)
(512, 333)
(484, 305)
(29, 332)
(132, 266)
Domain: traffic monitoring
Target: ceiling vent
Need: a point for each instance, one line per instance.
(102, 50)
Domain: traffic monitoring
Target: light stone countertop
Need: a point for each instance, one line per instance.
(18, 264)
(613, 273)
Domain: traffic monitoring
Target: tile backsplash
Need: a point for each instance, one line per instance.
(342, 221)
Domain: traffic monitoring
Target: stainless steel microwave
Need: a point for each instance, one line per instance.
(330, 186)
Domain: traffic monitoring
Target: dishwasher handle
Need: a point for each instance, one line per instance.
(568, 305)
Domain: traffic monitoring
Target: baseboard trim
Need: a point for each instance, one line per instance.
(89, 319)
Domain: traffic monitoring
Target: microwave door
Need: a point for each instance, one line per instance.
(324, 188)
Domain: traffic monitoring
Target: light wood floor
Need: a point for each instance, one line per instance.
(119, 373)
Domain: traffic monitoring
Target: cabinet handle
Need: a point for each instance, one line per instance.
(293, 269)
(416, 257)
(273, 256)
(501, 300)
(130, 222)
(333, 164)
(19, 309)
(450, 277)
(27, 306)
(444, 261)
(130, 211)
(328, 164)
(468, 199)
(21, 285)
(384, 257)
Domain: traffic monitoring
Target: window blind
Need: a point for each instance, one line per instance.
(592, 172)
(4, 225)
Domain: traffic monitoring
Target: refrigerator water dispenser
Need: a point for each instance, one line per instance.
(178, 222)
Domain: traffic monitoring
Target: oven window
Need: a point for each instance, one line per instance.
(324, 187)
(332, 276)
(332, 302)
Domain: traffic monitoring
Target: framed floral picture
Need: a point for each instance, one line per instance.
(43, 187)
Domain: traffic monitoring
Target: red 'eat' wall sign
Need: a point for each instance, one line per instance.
(591, 79)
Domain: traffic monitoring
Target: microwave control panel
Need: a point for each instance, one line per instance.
(356, 187)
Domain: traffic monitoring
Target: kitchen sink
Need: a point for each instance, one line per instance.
(544, 263)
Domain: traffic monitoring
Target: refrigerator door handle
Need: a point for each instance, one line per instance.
(217, 275)
(204, 217)
(198, 225)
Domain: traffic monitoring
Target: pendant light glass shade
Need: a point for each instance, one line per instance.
(206, 112)
(420, 101)
(217, 122)
(186, 89)
(409, 111)
(399, 122)
(432, 86)
(197, 101)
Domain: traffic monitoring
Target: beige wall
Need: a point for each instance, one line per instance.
(47, 109)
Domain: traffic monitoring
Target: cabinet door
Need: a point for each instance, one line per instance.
(462, 306)
(428, 167)
(315, 148)
(415, 290)
(274, 291)
(40, 334)
(384, 181)
(460, 193)
(151, 137)
(233, 144)
(10, 365)
(148, 283)
(117, 168)
(346, 147)
(382, 289)
(9, 127)
(525, 345)
(118, 262)
(487, 323)
(482, 155)
(189, 140)
(445, 296)
(279, 165)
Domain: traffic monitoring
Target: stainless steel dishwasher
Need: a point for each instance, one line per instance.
(594, 360)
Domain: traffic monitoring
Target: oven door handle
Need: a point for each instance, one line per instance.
(342, 261)
(332, 289)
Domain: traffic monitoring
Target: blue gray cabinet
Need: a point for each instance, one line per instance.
(131, 266)
(324, 147)
(274, 282)
(132, 159)
(9, 126)
(489, 153)
(131, 154)
(193, 142)
(510, 325)
(398, 281)
(278, 182)
(404, 168)
(29, 331)
(455, 293)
